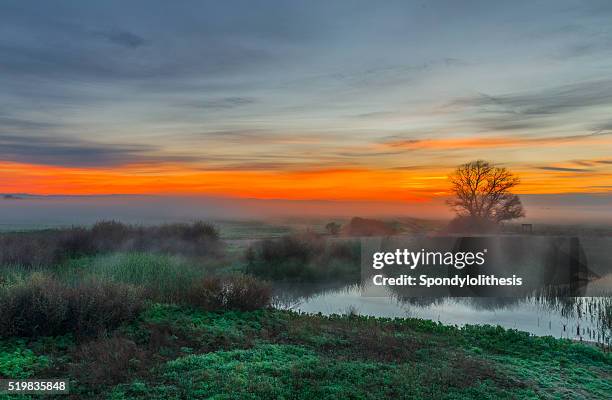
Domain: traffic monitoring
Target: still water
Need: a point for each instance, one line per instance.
(585, 318)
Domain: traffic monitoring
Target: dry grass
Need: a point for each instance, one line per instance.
(41, 305)
(236, 292)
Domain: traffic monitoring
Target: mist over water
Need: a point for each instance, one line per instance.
(575, 320)
(30, 212)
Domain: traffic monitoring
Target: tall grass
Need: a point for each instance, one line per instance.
(111, 290)
(172, 279)
(163, 278)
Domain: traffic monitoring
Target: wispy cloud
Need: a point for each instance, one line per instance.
(536, 109)
(123, 38)
(63, 151)
(220, 103)
(475, 142)
(564, 169)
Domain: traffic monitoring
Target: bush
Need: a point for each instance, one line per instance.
(236, 292)
(51, 247)
(42, 306)
(111, 235)
(29, 249)
(246, 293)
(305, 257)
(108, 360)
(206, 293)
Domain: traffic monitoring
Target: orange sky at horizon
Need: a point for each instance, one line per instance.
(419, 184)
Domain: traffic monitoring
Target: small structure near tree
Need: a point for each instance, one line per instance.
(333, 228)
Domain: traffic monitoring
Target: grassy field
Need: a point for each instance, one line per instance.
(123, 320)
(172, 352)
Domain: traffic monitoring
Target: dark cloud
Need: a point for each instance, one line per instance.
(584, 163)
(363, 154)
(18, 124)
(510, 122)
(563, 169)
(410, 167)
(268, 166)
(375, 114)
(554, 100)
(221, 103)
(539, 109)
(603, 128)
(62, 151)
(124, 38)
(99, 64)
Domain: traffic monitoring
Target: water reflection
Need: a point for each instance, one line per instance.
(578, 318)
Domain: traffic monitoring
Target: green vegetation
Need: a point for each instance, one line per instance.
(123, 323)
(173, 352)
(163, 277)
(18, 361)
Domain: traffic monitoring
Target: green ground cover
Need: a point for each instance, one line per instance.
(180, 352)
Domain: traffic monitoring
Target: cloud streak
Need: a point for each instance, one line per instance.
(476, 142)
(62, 151)
(124, 38)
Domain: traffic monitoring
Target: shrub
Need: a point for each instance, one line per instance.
(31, 248)
(305, 257)
(108, 360)
(42, 306)
(472, 225)
(368, 227)
(236, 292)
(111, 235)
(206, 293)
(246, 293)
(51, 247)
(99, 306)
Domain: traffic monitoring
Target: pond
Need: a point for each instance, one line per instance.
(582, 318)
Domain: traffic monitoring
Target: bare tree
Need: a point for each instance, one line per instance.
(482, 192)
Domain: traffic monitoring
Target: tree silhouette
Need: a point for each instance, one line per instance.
(333, 228)
(482, 192)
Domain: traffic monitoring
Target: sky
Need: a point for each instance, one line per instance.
(297, 100)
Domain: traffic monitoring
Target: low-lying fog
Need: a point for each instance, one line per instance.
(23, 211)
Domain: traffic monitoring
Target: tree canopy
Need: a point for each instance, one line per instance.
(482, 191)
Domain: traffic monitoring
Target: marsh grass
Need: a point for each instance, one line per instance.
(162, 277)
(157, 277)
